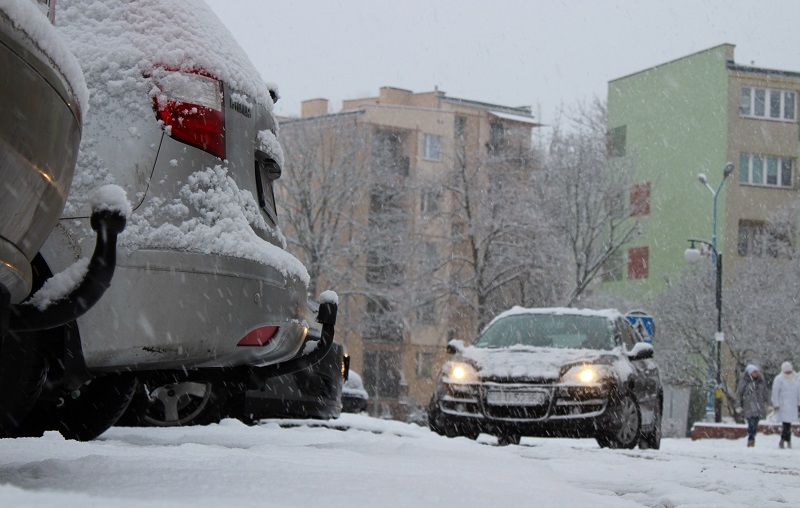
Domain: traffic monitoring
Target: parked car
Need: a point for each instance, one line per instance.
(43, 93)
(552, 372)
(182, 121)
(312, 392)
(354, 396)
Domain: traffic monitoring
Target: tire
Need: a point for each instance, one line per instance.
(625, 426)
(23, 370)
(508, 439)
(23, 364)
(651, 440)
(438, 424)
(177, 405)
(99, 404)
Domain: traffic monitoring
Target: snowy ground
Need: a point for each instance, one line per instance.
(369, 462)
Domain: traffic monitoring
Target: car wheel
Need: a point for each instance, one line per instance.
(626, 425)
(652, 438)
(97, 406)
(437, 424)
(23, 369)
(508, 439)
(179, 404)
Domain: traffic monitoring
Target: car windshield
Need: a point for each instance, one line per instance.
(549, 330)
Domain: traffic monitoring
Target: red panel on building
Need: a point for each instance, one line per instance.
(638, 261)
(640, 199)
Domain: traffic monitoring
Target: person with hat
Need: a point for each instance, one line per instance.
(785, 401)
(752, 396)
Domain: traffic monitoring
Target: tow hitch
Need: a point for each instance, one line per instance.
(25, 317)
(326, 316)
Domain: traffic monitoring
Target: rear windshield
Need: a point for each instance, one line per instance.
(548, 330)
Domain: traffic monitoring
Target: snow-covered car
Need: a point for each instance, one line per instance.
(354, 396)
(181, 120)
(552, 372)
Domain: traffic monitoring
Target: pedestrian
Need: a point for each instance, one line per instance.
(785, 399)
(752, 396)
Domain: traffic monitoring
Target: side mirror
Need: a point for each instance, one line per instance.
(641, 351)
(455, 346)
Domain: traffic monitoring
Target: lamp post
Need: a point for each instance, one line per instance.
(692, 255)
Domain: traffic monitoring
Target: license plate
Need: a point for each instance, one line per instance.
(497, 398)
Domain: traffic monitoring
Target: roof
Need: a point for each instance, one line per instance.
(515, 118)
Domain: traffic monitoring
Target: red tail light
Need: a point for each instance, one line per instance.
(259, 337)
(191, 107)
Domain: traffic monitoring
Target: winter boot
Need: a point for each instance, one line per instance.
(781, 444)
(751, 444)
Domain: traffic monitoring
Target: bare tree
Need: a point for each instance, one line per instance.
(760, 320)
(585, 192)
(501, 254)
(325, 182)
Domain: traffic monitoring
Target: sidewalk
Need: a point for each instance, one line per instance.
(706, 430)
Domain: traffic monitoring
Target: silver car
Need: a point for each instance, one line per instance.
(40, 130)
(183, 122)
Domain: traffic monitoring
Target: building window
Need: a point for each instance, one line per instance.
(381, 324)
(617, 138)
(640, 199)
(638, 260)
(424, 365)
(388, 152)
(765, 170)
(429, 201)
(426, 313)
(460, 127)
(431, 147)
(767, 103)
(756, 240)
(497, 137)
(382, 269)
(381, 373)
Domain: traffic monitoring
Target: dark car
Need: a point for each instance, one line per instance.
(354, 396)
(552, 372)
(313, 392)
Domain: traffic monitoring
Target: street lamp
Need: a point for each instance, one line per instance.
(692, 255)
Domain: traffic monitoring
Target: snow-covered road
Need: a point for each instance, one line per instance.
(384, 464)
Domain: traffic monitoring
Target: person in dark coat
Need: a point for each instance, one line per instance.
(752, 396)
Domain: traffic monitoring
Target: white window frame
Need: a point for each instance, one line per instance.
(749, 159)
(432, 147)
(786, 112)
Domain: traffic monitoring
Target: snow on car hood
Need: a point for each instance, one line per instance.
(526, 362)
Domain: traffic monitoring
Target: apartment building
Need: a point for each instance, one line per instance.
(694, 115)
(401, 300)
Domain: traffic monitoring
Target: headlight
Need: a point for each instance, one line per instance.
(583, 375)
(459, 372)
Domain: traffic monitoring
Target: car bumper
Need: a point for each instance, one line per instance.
(168, 309)
(567, 412)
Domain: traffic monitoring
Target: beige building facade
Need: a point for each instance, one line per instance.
(422, 137)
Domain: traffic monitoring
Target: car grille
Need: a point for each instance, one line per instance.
(533, 401)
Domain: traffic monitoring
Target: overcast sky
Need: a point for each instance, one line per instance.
(538, 53)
